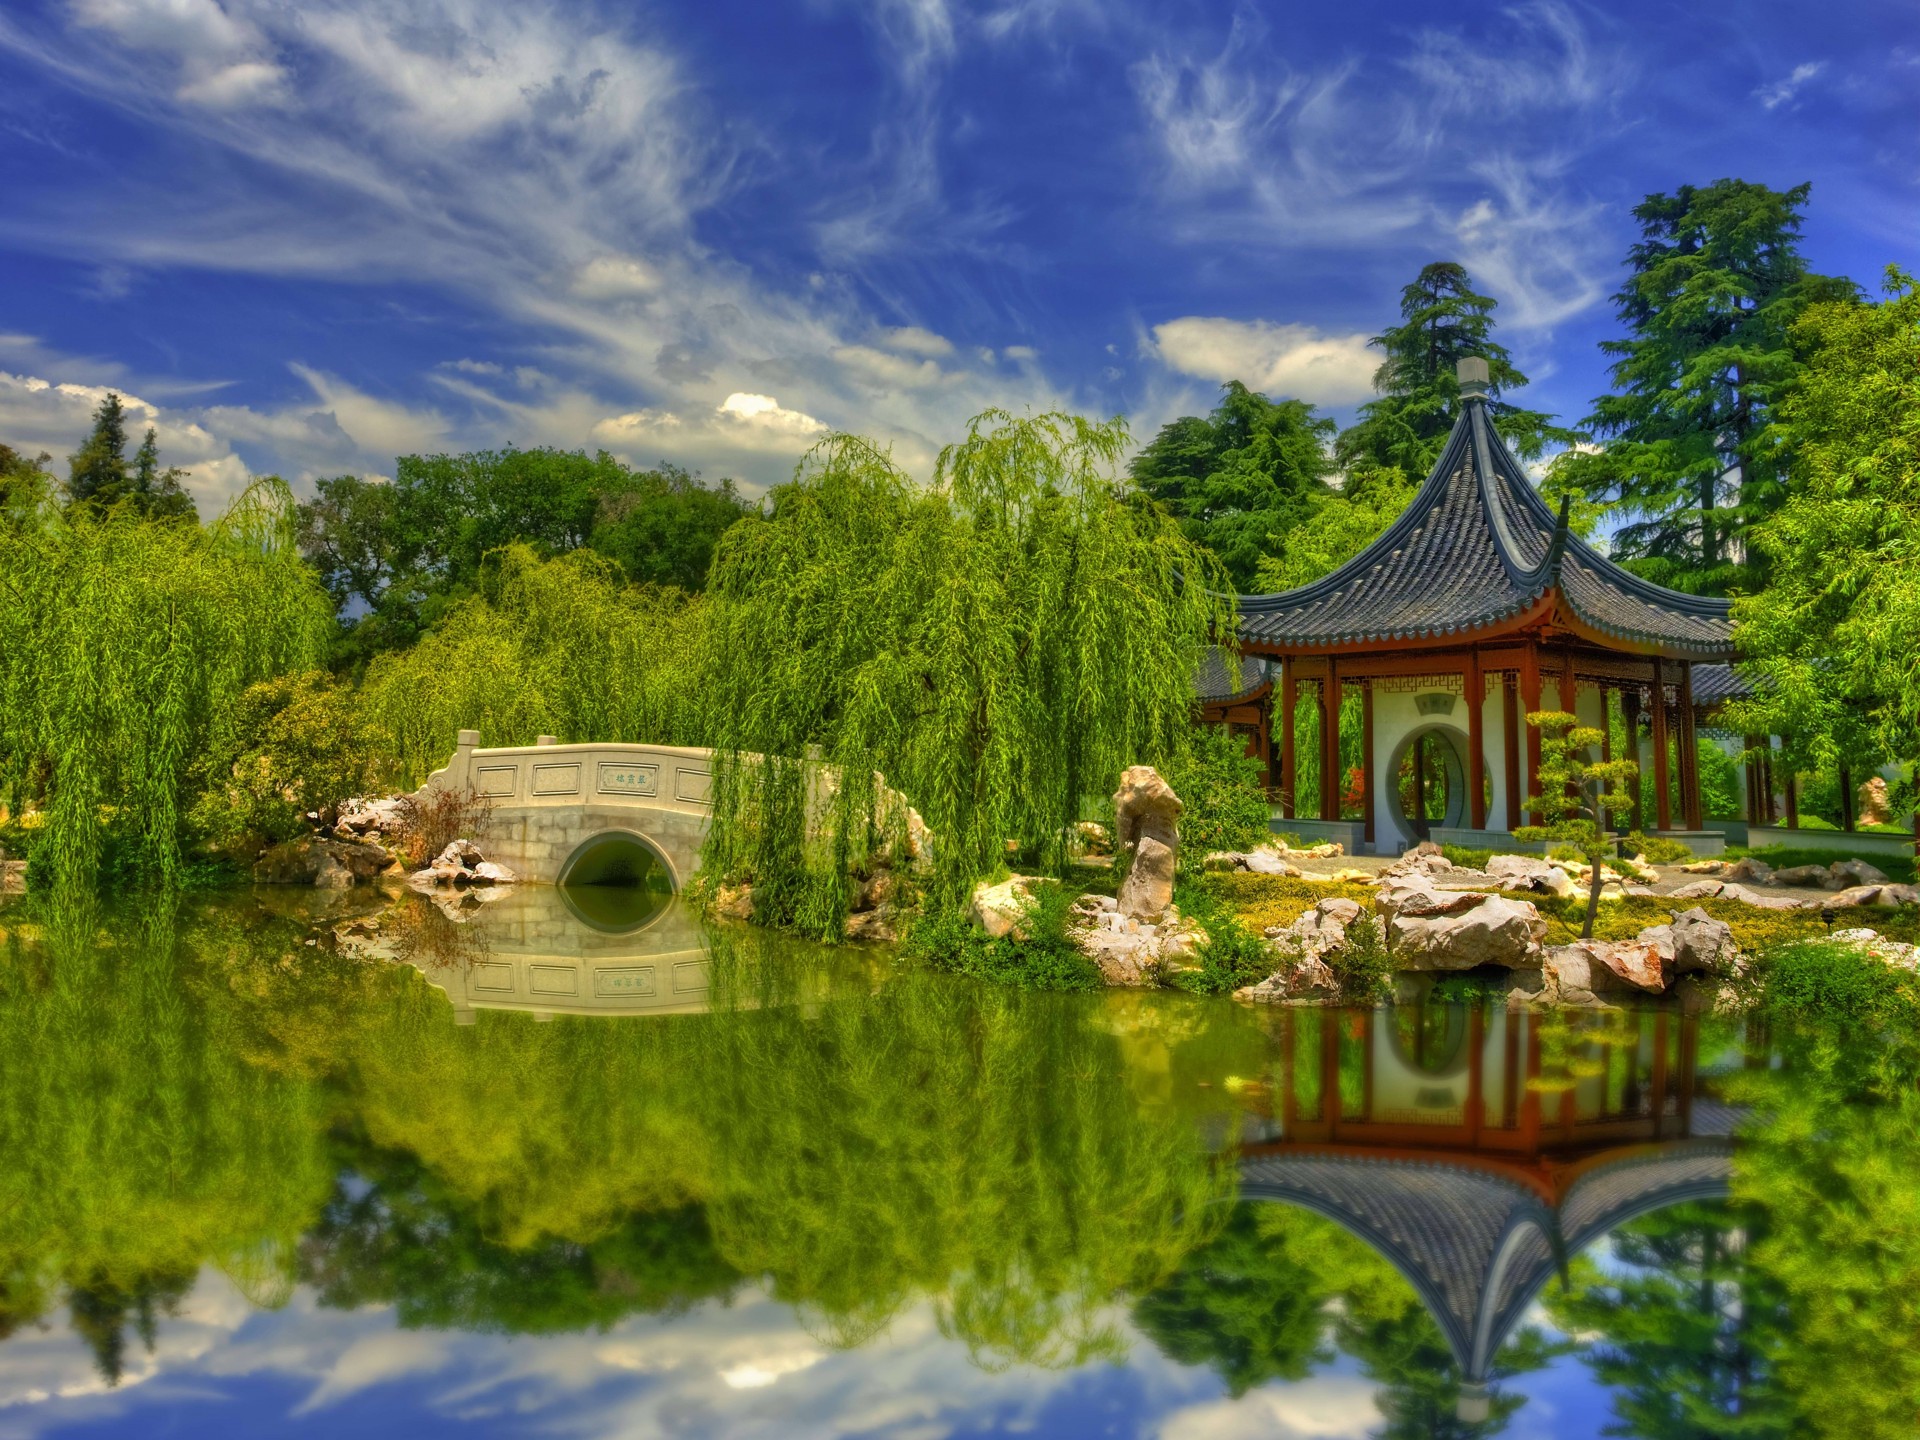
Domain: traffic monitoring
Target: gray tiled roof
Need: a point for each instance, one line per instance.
(1214, 685)
(1713, 684)
(1479, 546)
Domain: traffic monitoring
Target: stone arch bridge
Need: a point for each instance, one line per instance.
(553, 805)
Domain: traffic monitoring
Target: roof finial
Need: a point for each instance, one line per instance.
(1475, 381)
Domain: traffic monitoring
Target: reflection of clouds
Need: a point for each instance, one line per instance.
(748, 1370)
(1324, 1405)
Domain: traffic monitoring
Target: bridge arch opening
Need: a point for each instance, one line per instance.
(616, 882)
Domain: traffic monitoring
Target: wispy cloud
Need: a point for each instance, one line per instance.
(1785, 92)
(1291, 360)
(1445, 140)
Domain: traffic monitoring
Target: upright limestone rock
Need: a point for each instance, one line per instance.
(1146, 822)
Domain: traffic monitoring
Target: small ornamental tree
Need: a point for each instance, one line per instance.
(1577, 795)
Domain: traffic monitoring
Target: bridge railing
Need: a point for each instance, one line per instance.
(659, 777)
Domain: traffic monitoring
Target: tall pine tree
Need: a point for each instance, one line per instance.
(1252, 469)
(97, 471)
(1443, 320)
(1691, 462)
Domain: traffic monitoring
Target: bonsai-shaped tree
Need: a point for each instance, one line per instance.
(1576, 795)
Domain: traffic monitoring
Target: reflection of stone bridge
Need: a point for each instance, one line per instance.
(548, 801)
(1441, 1139)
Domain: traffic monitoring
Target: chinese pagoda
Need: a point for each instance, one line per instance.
(1475, 608)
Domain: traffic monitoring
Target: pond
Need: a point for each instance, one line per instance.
(555, 1166)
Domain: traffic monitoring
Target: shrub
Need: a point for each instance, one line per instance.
(1362, 965)
(1467, 858)
(437, 819)
(947, 939)
(1261, 902)
(1657, 849)
(1219, 783)
(296, 744)
(1827, 981)
(1232, 955)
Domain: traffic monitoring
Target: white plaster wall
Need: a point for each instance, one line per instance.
(1396, 715)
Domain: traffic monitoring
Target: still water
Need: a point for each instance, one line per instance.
(562, 1168)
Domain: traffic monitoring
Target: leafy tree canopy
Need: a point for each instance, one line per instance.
(1830, 642)
(1443, 321)
(1341, 527)
(1692, 461)
(100, 476)
(1253, 468)
(1000, 645)
(397, 556)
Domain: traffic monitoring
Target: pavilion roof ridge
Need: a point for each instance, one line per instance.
(1477, 549)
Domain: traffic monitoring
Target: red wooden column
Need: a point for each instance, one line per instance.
(1510, 745)
(1476, 743)
(1689, 752)
(1366, 759)
(1530, 705)
(1630, 723)
(1662, 805)
(1605, 819)
(1330, 742)
(1289, 703)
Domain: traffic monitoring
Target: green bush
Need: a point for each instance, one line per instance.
(1362, 965)
(947, 939)
(1466, 857)
(1220, 785)
(1657, 849)
(1232, 956)
(296, 744)
(1826, 981)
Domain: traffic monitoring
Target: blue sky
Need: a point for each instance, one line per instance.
(307, 237)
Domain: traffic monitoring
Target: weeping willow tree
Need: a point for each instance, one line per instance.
(562, 647)
(999, 646)
(125, 646)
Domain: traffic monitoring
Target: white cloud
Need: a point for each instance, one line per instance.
(245, 82)
(1324, 1407)
(615, 277)
(1451, 138)
(890, 372)
(914, 340)
(1291, 360)
(1784, 92)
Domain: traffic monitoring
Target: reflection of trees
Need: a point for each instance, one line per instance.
(394, 1234)
(137, 1143)
(1280, 1289)
(1830, 1162)
(1684, 1328)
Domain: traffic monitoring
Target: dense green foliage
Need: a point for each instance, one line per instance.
(1035, 956)
(296, 744)
(1253, 469)
(1344, 524)
(1577, 796)
(1831, 643)
(1224, 791)
(125, 649)
(558, 647)
(396, 558)
(1443, 320)
(100, 477)
(1692, 460)
(999, 646)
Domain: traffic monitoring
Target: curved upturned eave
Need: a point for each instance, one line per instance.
(1502, 489)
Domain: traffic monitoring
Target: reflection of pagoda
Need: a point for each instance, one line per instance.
(1478, 1151)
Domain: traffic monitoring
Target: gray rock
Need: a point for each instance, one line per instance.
(1148, 888)
(1697, 890)
(1415, 895)
(1813, 875)
(1494, 931)
(1003, 909)
(1763, 902)
(1306, 981)
(1527, 874)
(1145, 807)
(1615, 965)
(1856, 895)
(1854, 872)
(324, 864)
(1701, 944)
(1747, 868)
(1267, 862)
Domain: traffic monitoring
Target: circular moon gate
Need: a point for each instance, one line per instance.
(616, 882)
(1450, 745)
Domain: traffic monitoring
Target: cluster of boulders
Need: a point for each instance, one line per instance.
(1426, 928)
(1276, 858)
(323, 863)
(1852, 882)
(461, 866)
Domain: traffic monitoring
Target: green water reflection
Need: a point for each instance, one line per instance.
(338, 1104)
